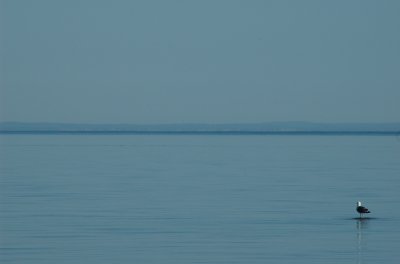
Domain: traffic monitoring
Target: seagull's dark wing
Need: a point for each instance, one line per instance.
(362, 210)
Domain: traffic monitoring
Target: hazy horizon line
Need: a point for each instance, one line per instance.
(233, 128)
(205, 123)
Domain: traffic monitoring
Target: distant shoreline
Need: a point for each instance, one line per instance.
(286, 133)
(267, 128)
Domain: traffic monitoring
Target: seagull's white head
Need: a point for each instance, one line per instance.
(358, 203)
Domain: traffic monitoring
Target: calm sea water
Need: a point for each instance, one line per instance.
(198, 199)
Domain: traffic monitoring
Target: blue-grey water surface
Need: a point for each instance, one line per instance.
(198, 199)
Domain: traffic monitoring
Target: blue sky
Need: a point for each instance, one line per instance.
(219, 61)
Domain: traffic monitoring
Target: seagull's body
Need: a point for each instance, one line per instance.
(361, 209)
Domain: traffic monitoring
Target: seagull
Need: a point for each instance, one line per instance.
(361, 209)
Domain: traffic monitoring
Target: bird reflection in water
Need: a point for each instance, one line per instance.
(362, 224)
